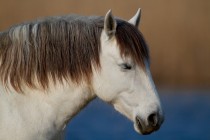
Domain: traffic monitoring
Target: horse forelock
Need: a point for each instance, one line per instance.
(131, 43)
(61, 48)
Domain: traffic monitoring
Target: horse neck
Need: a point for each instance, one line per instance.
(44, 114)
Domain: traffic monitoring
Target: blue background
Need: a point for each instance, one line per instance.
(187, 117)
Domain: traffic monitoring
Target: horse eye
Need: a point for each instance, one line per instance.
(126, 66)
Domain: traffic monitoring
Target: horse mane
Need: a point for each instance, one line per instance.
(61, 48)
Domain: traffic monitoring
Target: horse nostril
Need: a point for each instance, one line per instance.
(153, 119)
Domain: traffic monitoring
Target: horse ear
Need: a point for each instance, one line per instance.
(135, 20)
(109, 24)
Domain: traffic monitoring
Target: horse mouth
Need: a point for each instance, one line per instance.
(144, 129)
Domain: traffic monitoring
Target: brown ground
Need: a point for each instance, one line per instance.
(178, 32)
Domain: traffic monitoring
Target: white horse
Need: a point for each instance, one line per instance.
(51, 68)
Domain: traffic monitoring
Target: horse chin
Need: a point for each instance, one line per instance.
(139, 129)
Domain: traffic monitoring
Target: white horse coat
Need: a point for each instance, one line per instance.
(36, 112)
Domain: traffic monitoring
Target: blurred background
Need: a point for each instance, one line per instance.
(178, 34)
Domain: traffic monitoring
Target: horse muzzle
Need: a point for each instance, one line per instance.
(150, 124)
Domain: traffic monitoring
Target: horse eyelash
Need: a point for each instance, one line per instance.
(126, 66)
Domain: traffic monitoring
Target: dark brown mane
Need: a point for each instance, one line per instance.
(61, 48)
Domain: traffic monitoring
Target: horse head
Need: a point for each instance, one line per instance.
(124, 79)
